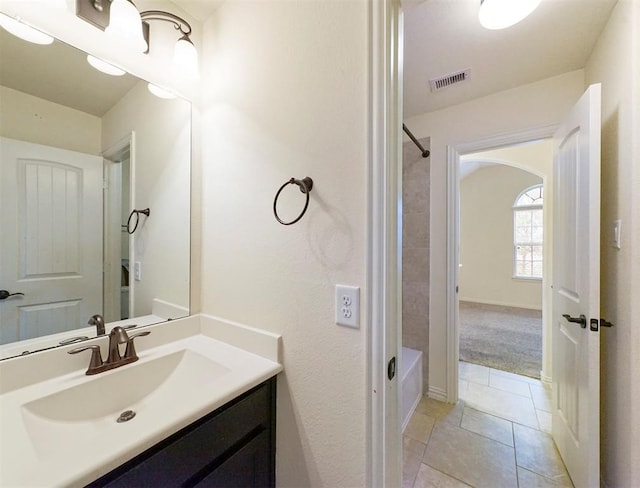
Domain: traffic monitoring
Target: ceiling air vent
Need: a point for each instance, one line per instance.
(446, 81)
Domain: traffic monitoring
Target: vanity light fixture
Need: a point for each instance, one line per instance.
(105, 67)
(121, 18)
(24, 31)
(500, 14)
(125, 24)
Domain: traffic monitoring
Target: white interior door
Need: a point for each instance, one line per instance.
(576, 291)
(51, 239)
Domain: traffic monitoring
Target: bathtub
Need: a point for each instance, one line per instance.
(411, 382)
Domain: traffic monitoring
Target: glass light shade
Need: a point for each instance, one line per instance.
(23, 31)
(160, 92)
(185, 57)
(125, 24)
(500, 14)
(105, 67)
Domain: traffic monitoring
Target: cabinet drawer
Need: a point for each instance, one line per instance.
(192, 453)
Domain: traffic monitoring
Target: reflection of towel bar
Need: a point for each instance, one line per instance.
(137, 213)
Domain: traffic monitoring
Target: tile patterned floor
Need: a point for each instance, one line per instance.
(497, 436)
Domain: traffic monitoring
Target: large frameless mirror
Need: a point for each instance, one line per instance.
(94, 198)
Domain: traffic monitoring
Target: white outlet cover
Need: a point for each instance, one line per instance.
(347, 306)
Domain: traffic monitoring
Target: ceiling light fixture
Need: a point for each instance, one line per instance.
(500, 14)
(24, 31)
(120, 18)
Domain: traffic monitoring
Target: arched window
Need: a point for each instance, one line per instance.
(527, 233)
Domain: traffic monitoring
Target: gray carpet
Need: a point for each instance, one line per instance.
(505, 338)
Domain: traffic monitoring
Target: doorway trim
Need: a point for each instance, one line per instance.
(453, 243)
(383, 295)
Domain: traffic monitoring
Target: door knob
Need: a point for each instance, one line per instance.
(4, 294)
(582, 320)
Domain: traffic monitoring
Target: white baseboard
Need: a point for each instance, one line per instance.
(500, 304)
(545, 379)
(437, 393)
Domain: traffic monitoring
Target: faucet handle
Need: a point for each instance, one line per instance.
(96, 358)
(130, 351)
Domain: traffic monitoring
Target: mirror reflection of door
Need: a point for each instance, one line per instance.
(50, 240)
(117, 197)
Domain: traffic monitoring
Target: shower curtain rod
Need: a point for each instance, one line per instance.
(425, 152)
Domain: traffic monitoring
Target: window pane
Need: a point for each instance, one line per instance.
(523, 218)
(536, 234)
(536, 253)
(537, 269)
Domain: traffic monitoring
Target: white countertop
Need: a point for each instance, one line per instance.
(242, 357)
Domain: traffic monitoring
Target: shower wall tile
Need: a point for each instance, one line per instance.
(415, 253)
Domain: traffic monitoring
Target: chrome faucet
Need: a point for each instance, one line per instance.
(117, 336)
(98, 321)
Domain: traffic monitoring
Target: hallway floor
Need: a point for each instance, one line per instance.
(497, 436)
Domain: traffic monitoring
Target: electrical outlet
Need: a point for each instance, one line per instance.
(347, 306)
(137, 271)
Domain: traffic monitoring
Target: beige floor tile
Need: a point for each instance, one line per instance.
(537, 452)
(506, 383)
(412, 452)
(462, 388)
(516, 377)
(488, 426)
(544, 421)
(503, 404)
(473, 373)
(419, 427)
(529, 479)
(440, 411)
(471, 458)
(432, 478)
(541, 397)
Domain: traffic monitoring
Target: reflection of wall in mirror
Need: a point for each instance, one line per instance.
(161, 178)
(32, 119)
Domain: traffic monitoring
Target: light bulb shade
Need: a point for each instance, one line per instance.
(105, 67)
(185, 57)
(160, 92)
(125, 24)
(23, 31)
(500, 14)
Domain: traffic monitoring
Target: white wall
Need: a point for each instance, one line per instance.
(486, 238)
(615, 62)
(32, 119)
(539, 104)
(285, 95)
(161, 181)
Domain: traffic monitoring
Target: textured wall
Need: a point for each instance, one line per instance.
(615, 63)
(415, 253)
(285, 95)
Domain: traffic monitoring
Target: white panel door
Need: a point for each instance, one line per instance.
(576, 291)
(51, 239)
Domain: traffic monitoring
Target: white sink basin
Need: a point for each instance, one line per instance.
(83, 412)
(59, 426)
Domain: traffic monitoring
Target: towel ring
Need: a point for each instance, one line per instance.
(305, 187)
(137, 213)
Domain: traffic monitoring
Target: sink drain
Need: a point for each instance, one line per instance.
(126, 416)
